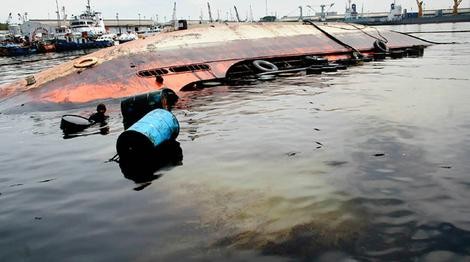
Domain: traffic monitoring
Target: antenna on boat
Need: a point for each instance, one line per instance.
(88, 7)
(64, 14)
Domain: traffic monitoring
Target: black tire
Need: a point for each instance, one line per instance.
(265, 66)
(315, 60)
(380, 46)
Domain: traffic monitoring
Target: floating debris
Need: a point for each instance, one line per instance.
(46, 180)
(291, 154)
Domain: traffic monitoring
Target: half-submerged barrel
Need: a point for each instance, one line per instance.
(139, 142)
(135, 107)
(73, 123)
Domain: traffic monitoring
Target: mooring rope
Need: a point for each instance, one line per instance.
(437, 32)
(356, 27)
(333, 38)
(428, 41)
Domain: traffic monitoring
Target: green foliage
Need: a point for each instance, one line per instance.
(3, 26)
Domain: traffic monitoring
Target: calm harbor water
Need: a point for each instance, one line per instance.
(365, 164)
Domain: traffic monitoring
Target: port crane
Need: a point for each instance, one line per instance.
(323, 13)
(175, 21)
(236, 13)
(456, 7)
(420, 8)
(210, 13)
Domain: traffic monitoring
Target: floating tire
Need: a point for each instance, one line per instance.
(86, 62)
(315, 60)
(266, 77)
(414, 51)
(339, 66)
(329, 69)
(380, 46)
(397, 54)
(265, 66)
(379, 56)
(313, 70)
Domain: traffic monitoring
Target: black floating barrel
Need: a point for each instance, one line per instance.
(135, 107)
(73, 123)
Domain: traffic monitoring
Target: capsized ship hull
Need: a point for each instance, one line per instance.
(186, 57)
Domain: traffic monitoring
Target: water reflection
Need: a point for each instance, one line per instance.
(369, 165)
(141, 169)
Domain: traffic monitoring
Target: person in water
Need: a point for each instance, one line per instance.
(169, 99)
(99, 116)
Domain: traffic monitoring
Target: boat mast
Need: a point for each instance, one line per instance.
(88, 8)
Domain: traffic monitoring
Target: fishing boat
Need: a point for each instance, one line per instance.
(222, 52)
(46, 46)
(17, 50)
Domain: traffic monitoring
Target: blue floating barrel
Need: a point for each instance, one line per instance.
(143, 137)
(135, 107)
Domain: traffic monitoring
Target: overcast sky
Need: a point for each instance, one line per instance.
(192, 8)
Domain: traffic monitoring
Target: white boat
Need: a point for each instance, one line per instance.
(126, 37)
(149, 32)
(89, 23)
(106, 37)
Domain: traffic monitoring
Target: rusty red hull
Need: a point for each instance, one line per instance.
(186, 57)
